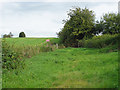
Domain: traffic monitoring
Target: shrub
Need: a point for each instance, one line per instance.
(110, 48)
(10, 58)
(81, 43)
(22, 34)
(100, 41)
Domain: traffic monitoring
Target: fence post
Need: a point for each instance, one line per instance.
(56, 45)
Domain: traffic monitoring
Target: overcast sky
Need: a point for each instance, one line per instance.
(43, 18)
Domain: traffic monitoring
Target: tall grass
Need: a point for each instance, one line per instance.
(29, 47)
(67, 68)
(14, 54)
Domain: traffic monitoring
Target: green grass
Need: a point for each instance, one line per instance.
(69, 67)
(29, 47)
(28, 41)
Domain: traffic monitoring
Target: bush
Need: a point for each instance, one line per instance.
(110, 48)
(10, 58)
(100, 41)
(81, 43)
(22, 34)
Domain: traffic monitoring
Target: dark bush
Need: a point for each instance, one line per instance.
(22, 34)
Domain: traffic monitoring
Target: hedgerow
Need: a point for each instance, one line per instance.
(10, 58)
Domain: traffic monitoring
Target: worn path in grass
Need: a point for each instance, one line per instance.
(70, 67)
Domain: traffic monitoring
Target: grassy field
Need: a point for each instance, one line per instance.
(29, 41)
(69, 67)
(29, 47)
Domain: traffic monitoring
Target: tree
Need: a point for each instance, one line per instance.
(22, 34)
(79, 25)
(99, 26)
(8, 36)
(5, 36)
(111, 23)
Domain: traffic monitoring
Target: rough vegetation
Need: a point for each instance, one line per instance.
(10, 58)
(14, 51)
(81, 25)
(47, 63)
(67, 68)
(100, 41)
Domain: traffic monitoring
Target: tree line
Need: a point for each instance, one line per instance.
(10, 35)
(82, 25)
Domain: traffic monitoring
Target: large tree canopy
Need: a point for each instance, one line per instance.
(80, 24)
(111, 23)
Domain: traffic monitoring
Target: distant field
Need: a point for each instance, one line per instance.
(28, 41)
(29, 47)
(66, 68)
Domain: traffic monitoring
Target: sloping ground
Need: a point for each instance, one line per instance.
(70, 67)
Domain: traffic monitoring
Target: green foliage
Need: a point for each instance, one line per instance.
(22, 34)
(110, 48)
(8, 36)
(81, 43)
(29, 47)
(99, 26)
(54, 40)
(110, 23)
(100, 41)
(79, 25)
(10, 58)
